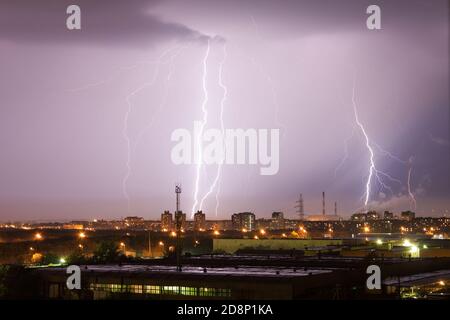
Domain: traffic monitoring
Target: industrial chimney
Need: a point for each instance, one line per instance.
(323, 203)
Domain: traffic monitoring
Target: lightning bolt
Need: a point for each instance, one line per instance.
(217, 179)
(368, 146)
(373, 170)
(125, 134)
(345, 157)
(164, 98)
(409, 165)
(202, 126)
(411, 195)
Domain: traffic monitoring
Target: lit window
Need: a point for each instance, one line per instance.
(152, 289)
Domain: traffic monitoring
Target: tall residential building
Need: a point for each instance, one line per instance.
(182, 219)
(199, 221)
(408, 215)
(243, 220)
(277, 221)
(166, 221)
(388, 215)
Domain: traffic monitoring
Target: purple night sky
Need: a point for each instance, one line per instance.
(289, 65)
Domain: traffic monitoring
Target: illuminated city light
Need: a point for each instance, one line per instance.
(366, 229)
(38, 236)
(262, 231)
(407, 243)
(379, 241)
(161, 243)
(173, 234)
(256, 237)
(62, 261)
(216, 232)
(414, 249)
(244, 230)
(82, 235)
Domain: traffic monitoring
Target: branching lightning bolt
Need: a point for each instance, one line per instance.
(202, 126)
(373, 171)
(409, 165)
(217, 179)
(411, 195)
(345, 157)
(125, 125)
(164, 98)
(368, 146)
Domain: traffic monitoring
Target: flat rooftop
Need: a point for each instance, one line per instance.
(277, 272)
(419, 279)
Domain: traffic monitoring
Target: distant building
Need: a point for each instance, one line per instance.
(372, 215)
(369, 216)
(388, 215)
(408, 215)
(243, 220)
(134, 222)
(199, 221)
(166, 221)
(322, 217)
(180, 218)
(219, 225)
(72, 226)
(263, 223)
(278, 221)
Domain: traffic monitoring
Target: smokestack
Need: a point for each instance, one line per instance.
(323, 203)
(335, 208)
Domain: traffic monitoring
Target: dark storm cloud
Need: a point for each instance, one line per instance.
(64, 154)
(290, 17)
(103, 22)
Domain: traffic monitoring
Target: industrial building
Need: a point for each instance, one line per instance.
(262, 276)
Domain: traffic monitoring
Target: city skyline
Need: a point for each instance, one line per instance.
(87, 115)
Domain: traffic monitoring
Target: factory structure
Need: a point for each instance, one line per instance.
(318, 217)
